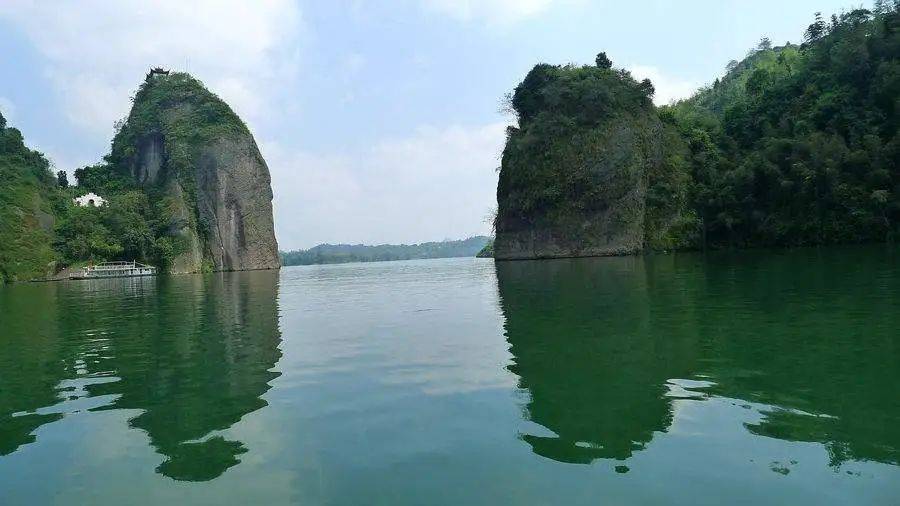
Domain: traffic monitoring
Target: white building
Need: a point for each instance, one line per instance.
(91, 199)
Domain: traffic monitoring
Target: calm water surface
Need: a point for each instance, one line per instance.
(750, 378)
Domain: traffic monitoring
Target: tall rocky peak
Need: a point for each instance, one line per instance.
(188, 150)
(575, 173)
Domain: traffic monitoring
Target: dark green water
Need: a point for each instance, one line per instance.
(750, 378)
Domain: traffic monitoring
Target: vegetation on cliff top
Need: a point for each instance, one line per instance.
(558, 107)
(180, 110)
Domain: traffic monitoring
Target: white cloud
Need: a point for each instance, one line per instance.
(8, 109)
(97, 52)
(668, 88)
(491, 11)
(436, 181)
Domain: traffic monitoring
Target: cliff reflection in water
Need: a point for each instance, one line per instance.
(31, 365)
(604, 346)
(579, 334)
(193, 354)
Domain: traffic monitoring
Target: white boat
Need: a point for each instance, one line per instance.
(115, 270)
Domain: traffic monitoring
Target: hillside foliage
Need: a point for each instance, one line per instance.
(799, 145)
(29, 200)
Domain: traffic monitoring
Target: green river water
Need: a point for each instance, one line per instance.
(757, 377)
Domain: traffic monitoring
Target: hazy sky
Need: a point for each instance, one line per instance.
(378, 119)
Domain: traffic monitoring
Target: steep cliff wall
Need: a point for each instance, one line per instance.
(234, 200)
(575, 174)
(190, 152)
(593, 199)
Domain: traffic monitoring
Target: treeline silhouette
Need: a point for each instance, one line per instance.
(346, 253)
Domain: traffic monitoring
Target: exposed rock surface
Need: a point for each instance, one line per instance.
(234, 197)
(188, 148)
(607, 215)
(574, 175)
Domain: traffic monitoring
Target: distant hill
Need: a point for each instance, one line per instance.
(345, 253)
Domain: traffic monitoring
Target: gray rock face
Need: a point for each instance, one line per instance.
(150, 158)
(234, 200)
(202, 165)
(602, 173)
(608, 232)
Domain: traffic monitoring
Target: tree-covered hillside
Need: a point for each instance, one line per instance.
(799, 145)
(29, 202)
(345, 253)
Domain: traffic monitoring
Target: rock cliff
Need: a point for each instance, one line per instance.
(578, 172)
(191, 153)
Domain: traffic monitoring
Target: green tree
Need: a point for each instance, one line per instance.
(83, 236)
(815, 30)
(603, 61)
(126, 217)
(798, 145)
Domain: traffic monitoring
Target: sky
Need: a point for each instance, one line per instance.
(380, 121)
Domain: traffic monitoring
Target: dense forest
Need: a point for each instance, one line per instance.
(794, 145)
(798, 144)
(29, 201)
(345, 253)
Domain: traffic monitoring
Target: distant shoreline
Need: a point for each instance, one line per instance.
(360, 253)
(358, 262)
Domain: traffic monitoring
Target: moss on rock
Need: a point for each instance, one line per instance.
(576, 172)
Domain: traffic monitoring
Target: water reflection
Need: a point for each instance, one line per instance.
(606, 348)
(32, 364)
(192, 354)
(579, 336)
